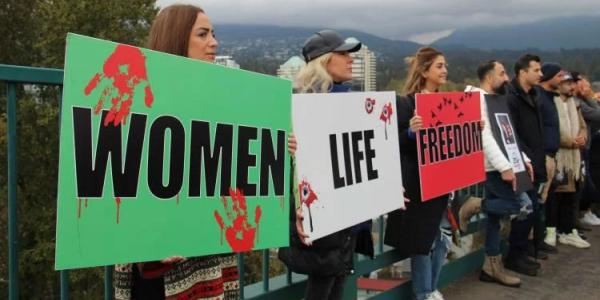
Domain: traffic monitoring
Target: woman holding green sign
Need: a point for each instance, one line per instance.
(328, 260)
(183, 30)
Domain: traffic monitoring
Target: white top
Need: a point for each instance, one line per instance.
(494, 157)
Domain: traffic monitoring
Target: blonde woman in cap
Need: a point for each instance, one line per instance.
(328, 66)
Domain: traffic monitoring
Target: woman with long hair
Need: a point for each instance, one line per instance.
(416, 231)
(183, 30)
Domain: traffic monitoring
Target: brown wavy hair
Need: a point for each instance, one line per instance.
(171, 29)
(417, 65)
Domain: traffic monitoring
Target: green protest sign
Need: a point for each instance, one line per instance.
(161, 155)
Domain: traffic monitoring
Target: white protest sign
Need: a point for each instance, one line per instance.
(348, 158)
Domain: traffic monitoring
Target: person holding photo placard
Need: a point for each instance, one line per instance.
(501, 199)
(417, 231)
(183, 30)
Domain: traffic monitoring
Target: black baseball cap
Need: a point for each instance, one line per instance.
(326, 41)
(576, 76)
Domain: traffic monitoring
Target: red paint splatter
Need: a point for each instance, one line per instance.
(124, 70)
(118, 201)
(307, 197)
(240, 234)
(369, 105)
(386, 116)
(79, 208)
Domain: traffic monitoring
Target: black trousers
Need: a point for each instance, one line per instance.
(589, 192)
(325, 287)
(560, 212)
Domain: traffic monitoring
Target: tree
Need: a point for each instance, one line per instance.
(34, 33)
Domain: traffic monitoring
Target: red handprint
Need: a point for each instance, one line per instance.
(123, 71)
(307, 197)
(240, 234)
(386, 116)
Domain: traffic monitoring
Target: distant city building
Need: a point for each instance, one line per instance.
(364, 71)
(289, 70)
(226, 60)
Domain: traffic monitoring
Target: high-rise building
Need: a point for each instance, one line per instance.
(364, 71)
(290, 68)
(226, 60)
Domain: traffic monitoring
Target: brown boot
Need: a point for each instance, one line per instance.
(493, 271)
(470, 208)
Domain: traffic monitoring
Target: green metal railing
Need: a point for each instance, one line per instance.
(286, 286)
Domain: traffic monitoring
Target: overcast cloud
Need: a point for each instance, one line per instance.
(419, 20)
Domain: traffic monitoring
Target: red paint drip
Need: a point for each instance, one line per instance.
(79, 208)
(118, 201)
(257, 215)
(221, 224)
(124, 69)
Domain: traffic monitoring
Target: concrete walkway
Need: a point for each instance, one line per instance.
(572, 274)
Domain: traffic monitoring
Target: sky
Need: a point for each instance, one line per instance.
(421, 21)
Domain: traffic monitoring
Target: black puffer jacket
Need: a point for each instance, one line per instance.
(528, 123)
(549, 120)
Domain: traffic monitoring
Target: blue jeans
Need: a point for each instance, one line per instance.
(492, 234)
(425, 269)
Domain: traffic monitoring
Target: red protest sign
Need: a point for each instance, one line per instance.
(450, 149)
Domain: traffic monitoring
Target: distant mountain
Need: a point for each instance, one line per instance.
(262, 48)
(550, 34)
(283, 42)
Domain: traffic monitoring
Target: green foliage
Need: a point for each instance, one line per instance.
(253, 263)
(118, 21)
(34, 33)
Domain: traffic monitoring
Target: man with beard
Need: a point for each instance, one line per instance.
(500, 200)
(524, 110)
(551, 78)
(573, 137)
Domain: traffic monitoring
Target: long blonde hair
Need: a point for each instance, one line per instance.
(313, 77)
(417, 65)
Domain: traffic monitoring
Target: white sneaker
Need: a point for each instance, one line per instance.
(590, 219)
(550, 238)
(594, 216)
(573, 239)
(437, 295)
(431, 297)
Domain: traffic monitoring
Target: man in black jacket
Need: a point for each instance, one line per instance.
(526, 116)
(551, 79)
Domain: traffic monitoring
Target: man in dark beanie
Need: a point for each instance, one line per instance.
(547, 90)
